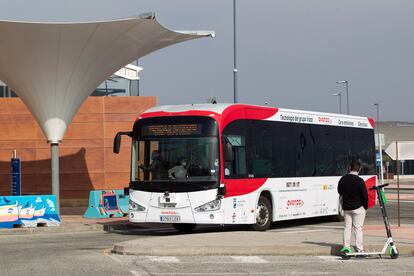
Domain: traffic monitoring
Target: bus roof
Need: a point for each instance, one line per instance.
(226, 113)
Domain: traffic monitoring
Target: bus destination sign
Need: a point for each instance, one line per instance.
(171, 130)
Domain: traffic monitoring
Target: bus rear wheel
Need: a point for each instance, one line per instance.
(184, 227)
(263, 214)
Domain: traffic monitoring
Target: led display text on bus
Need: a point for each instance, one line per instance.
(172, 130)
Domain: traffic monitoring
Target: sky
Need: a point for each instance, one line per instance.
(290, 53)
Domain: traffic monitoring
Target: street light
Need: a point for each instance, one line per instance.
(379, 144)
(234, 55)
(347, 97)
(340, 101)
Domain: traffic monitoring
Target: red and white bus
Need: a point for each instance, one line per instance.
(242, 164)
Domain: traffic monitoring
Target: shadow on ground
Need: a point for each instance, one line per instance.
(161, 229)
(335, 248)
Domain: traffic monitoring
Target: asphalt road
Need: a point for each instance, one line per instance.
(87, 254)
(263, 265)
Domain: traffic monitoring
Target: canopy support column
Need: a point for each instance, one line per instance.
(54, 149)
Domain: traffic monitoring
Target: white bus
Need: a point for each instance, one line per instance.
(242, 164)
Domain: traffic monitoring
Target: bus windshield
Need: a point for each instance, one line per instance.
(175, 159)
(175, 154)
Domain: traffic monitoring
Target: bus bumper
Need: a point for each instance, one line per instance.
(180, 208)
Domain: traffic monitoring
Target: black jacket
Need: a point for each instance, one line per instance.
(353, 191)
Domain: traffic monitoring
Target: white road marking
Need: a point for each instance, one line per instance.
(163, 259)
(302, 231)
(249, 259)
(242, 273)
(133, 272)
(332, 258)
(115, 258)
(326, 227)
(288, 229)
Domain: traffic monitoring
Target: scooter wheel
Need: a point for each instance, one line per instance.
(392, 252)
(344, 252)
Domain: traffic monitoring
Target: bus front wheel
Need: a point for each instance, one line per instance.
(184, 227)
(263, 215)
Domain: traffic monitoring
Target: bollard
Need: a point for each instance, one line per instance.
(16, 176)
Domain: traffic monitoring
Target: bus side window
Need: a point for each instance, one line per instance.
(304, 143)
(234, 142)
(260, 149)
(362, 147)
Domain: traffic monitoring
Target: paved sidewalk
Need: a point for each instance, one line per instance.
(402, 187)
(409, 197)
(163, 239)
(72, 221)
(307, 240)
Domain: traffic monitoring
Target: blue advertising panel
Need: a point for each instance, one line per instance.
(107, 204)
(28, 211)
(16, 181)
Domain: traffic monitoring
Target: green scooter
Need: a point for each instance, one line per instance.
(389, 248)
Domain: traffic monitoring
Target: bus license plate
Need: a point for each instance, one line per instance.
(170, 218)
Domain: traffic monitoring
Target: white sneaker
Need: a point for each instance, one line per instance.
(361, 251)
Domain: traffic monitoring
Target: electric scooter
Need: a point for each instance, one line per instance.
(389, 248)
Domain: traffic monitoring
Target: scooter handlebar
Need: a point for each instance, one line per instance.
(378, 187)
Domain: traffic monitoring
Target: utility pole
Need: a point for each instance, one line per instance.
(235, 96)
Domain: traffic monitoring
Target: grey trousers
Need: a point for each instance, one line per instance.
(354, 220)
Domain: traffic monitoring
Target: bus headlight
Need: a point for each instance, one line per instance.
(135, 206)
(210, 206)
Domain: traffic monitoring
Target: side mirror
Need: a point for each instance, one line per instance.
(117, 140)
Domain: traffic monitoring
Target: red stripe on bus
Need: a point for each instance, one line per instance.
(237, 187)
(372, 122)
(372, 195)
(240, 111)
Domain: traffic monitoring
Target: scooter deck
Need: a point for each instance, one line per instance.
(363, 254)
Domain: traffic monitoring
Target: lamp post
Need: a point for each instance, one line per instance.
(340, 101)
(379, 143)
(235, 99)
(347, 97)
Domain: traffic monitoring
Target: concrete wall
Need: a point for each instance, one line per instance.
(86, 158)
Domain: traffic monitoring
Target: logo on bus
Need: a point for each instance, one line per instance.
(328, 187)
(325, 120)
(169, 213)
(295, 202)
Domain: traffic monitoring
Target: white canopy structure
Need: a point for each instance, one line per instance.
(405, 150)
(54, 67)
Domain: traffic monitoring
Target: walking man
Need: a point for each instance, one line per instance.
(354, 195)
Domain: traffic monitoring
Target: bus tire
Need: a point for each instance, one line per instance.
(263, 214)
(184, 227)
